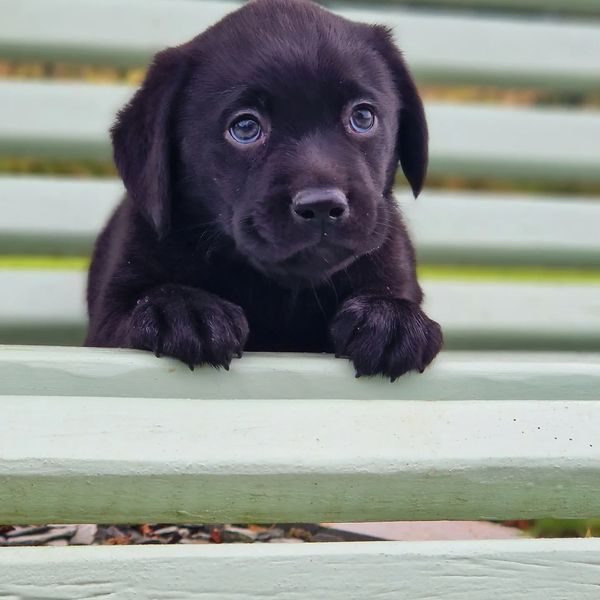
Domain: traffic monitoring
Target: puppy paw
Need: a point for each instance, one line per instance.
(385, 336)
(194, 326)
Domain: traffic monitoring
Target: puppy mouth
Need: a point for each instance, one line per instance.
(312, 264)
(319, 260)
(310, 260)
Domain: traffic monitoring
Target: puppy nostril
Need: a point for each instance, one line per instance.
(337, 212)
(305, 213)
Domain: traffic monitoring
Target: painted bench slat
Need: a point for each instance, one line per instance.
(54, 215)
(48, 307)
(519, 569)
(440, 47)
(518, 315)
(162, 460)
(71, 120)
(458, 48)
(83, 372)
(566, 7)
(62, 216)
(489, 228)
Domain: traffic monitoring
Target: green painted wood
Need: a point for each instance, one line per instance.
(71, 459)
(440, 47)
(54, 215)
(102, 31)
(71, 120)
(82, 372)
(503, 229)
(451, 48)
(38, 306)
(562, 7)
(63, 121)
(448, 227)
(516, 569)
(520, 315)
(486, 141)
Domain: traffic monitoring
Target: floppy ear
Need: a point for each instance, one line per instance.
(142, 138)
(412, 142)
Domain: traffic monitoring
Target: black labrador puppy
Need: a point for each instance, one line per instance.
(259, 161)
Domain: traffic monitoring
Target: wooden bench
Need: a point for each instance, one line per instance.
(117, 436)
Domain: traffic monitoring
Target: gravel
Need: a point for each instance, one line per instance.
(161, 533)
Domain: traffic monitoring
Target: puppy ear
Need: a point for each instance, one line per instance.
(142, 138)
(413, 138)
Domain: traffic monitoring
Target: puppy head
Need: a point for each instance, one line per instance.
(283, 126)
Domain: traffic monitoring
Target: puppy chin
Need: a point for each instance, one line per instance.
(307, 267)
(308, 262)
(316, 264)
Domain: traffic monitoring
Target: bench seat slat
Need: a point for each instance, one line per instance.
(71, 121)
(48, 307)
(161, 460)
(440, 47)
(83, 372)
(45, 215)
(519, 569)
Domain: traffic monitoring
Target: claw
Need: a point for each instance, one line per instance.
(191, 366)
(392, 379)
(226, 367)
(357, 375)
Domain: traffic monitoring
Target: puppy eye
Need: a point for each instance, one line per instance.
(362, 119)
(245, 129)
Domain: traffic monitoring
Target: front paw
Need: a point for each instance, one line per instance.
(194, 326)
(385, 336)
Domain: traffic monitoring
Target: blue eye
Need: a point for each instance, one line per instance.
(245, 129)
(362, 119)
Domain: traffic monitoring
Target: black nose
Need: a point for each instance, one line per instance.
(320, 205)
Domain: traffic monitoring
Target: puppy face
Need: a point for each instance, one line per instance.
(282, 127)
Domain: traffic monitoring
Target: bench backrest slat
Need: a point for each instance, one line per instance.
(456, 227)
(72, 121)
(40, 306)
(438, 46)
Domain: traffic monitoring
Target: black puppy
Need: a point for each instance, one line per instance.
(259, 161)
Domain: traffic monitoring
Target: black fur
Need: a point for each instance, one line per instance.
(205, 256)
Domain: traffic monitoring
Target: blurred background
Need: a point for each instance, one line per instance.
(507, 229)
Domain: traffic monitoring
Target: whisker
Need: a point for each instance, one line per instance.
(330, 283)
(314, 291)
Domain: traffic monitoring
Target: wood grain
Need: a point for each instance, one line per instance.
(285, 439)
(519, 570)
